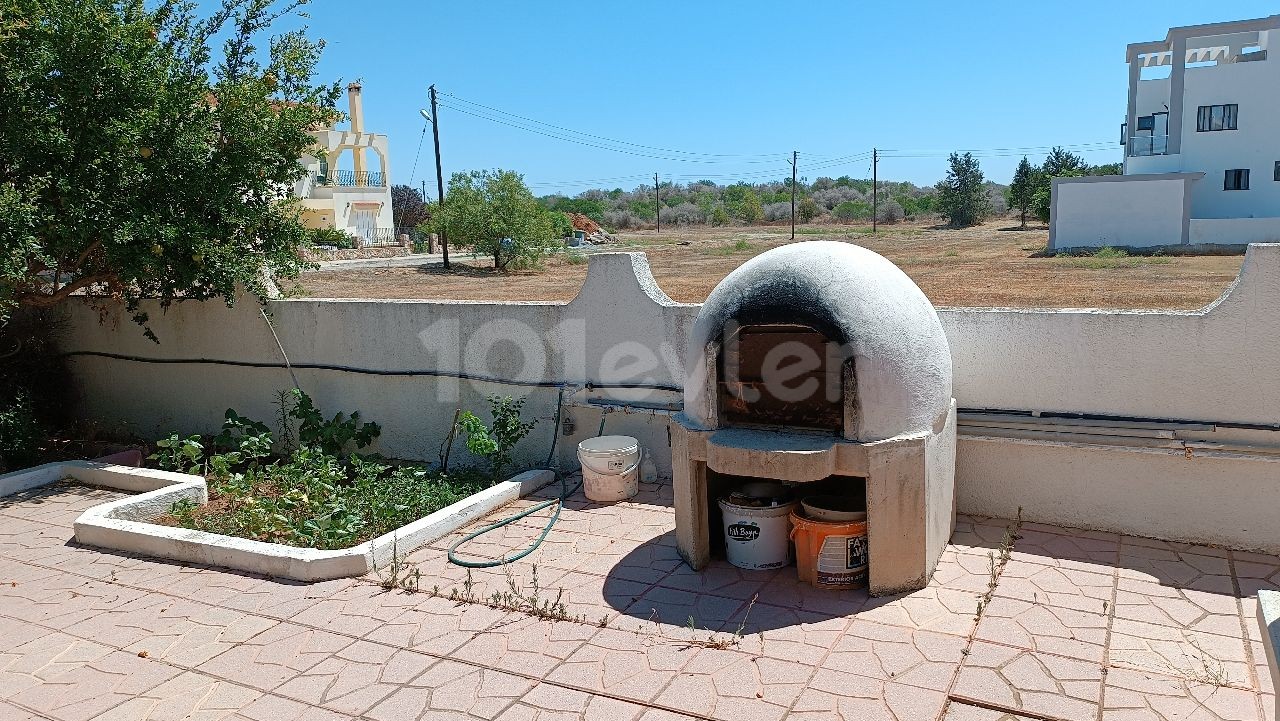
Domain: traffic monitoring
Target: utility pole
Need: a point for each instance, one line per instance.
(793, 195)
(435, 133)
(657, 203)
(875, 186)
(430, 246)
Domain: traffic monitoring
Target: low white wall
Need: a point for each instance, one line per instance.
(1235, 231)
(1214, 498)
(1136, 211)
(1215, 364)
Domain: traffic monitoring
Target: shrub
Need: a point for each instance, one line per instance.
(889, 210)
(807, 210)
(331, 237)
(719, 216)
(777, 211)
(833, 197)
(622, 219)
(496, 442)
(852, 210)
(683, 214)
(20, 431)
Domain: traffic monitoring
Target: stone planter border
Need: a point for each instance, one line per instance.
(123, 525)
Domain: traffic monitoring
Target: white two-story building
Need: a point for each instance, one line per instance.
(348, 181)
(1201, 141)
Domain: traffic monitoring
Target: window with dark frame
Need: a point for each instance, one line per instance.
(1277, 171)
(1211, 118)
(1236, 179)
(1147, 122)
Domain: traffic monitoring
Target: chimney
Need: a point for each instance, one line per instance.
(357, 126)
(355, 107)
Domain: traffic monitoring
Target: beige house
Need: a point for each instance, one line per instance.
(348, 181)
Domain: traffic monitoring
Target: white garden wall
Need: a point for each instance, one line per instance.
(1214, 365)
(1134, 211)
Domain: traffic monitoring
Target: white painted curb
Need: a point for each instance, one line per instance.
(123, 525)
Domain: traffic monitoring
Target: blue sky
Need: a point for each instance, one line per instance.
(740, 85)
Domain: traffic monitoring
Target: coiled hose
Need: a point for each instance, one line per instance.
(565, 492)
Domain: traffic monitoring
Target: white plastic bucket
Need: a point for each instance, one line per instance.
(610, 468)
(757, 538)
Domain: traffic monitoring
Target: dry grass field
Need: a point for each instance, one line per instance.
(985, 266)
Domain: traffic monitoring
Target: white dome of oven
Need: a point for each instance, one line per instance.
(855, 297)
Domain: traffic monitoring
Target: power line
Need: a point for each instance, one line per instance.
(578, 141)
(603, 138)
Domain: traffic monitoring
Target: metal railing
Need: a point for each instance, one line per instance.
(1144, 145)
(371, 237)
(353, 179)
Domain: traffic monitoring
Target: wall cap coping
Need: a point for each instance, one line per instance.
(1138, 177)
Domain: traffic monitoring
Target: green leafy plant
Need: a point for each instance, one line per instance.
(332, 436)
(185, 455)
(496, 441)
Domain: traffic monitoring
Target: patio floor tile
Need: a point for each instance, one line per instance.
(1031, 682)
(1038, 627)
(452, 690)
(1133, 695)
(87, 634)
(847, 697)
(1179, 652)
(892, 653)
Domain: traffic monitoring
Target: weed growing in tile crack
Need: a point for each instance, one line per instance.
(714, 640)
(996, 563)
(1205, 667)
(400, 573)
(515, 598)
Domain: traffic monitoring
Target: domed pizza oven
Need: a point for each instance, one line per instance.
(822, 365)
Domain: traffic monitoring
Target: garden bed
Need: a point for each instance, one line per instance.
(126, 524)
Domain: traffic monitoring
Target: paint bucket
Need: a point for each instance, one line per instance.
(610, 468)
(756, 537)
(830, 555)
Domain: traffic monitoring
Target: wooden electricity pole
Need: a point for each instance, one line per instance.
(435, 133)
(657, 203)
(875, 160)
(793, 195)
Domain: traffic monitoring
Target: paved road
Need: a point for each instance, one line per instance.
(420, 259)
(403, 261)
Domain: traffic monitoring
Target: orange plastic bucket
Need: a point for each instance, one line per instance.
(830, 555)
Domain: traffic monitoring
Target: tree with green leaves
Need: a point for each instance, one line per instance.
(1022, 190)
(135, 162)
(1059, 163)
(493, 213)
(1063, 163)
(962, 195)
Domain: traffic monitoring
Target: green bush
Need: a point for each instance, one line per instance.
(495, 442)
(808, 210)
(20, 431)
(852, 210)
(331, 236)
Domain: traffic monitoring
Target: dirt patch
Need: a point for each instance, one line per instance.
(985, 266)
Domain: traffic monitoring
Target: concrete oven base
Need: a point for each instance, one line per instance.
(910, 489)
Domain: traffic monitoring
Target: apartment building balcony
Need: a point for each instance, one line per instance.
(1141, 146)
(352, 179)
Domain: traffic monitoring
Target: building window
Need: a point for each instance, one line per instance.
(1237, 179)
(1147, 122)
(1277, 171)
(1216, 117)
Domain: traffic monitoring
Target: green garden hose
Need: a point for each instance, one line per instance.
(565, 492)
